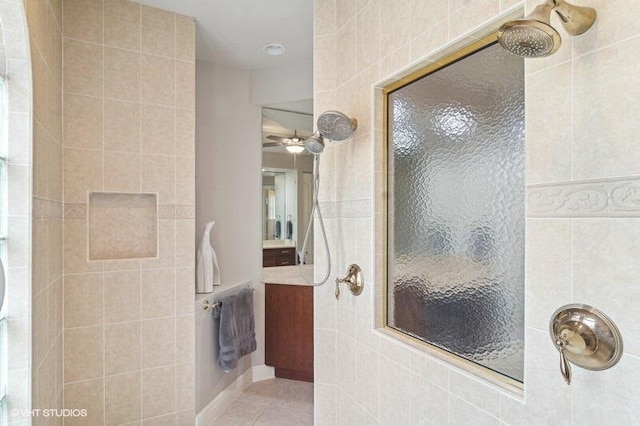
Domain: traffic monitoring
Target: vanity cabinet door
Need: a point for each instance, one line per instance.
(289, 330)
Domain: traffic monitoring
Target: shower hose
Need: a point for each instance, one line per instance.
(315, 208)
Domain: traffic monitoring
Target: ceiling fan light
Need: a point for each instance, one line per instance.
(295, 149)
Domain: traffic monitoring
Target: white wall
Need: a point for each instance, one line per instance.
(228, 183)
(278, 85)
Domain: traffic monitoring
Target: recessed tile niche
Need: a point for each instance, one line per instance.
(122, 226)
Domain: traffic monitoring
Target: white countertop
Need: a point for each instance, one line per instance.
(269, 244)
(286, 274)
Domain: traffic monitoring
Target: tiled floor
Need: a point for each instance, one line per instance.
(271, 402)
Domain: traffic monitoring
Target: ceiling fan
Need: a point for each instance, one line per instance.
(293, 144)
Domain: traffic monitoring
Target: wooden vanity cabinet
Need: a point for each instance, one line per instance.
(278, 257)
(289, 330)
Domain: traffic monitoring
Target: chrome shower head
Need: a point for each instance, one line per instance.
(534, 37)
(315, 144)
(336, 126)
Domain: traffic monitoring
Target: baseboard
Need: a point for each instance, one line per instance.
(220, 403)
(216, 407)
(263, 372)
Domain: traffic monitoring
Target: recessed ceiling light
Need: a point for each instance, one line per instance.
(273, 49)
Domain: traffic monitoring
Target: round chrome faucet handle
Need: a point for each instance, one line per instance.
(585, 337)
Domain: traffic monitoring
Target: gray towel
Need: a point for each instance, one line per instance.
(237, 328)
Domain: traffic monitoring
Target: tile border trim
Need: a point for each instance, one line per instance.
(165, 211)
(614, 197)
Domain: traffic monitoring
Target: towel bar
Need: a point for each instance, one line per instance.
(206, 304)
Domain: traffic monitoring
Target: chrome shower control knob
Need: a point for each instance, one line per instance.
(585, 337)
(354, 280)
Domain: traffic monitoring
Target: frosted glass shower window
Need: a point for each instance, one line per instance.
(455, 248)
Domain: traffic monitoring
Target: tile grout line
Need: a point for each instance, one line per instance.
(62, 120)
(571, 296)
(572, 120)
(140, 91)
(122, 100)
(140, 52)
(575, 57)
(104, 328)
(175, 236)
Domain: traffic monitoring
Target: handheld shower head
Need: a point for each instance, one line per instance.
(332, 125)
(336, 126)
(315, 144)
(534, 37)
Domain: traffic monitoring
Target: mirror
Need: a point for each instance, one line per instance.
(278, 214)
(287, 189)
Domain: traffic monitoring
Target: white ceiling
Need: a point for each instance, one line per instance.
(233, 32)
(304, 106)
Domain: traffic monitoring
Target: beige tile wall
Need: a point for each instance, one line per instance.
(582, 113)
(122, 225)
(129, 101)
(45, 29)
